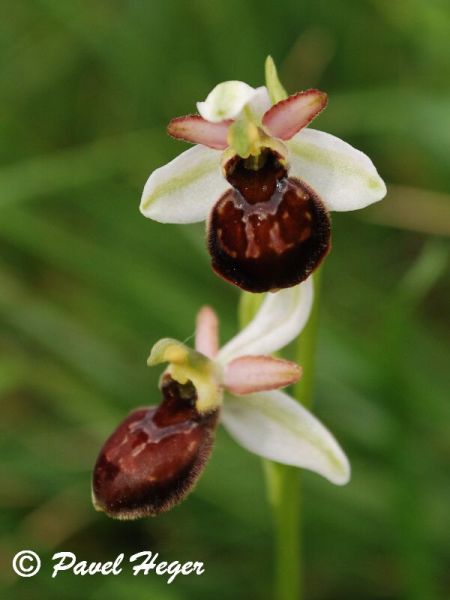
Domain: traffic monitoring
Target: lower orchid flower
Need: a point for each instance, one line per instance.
(155, 456)
(263, 180)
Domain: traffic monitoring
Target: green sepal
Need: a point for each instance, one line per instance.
(273, 84)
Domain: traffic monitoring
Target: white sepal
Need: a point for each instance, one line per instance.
(260, 103)
(344, 178)
(280, 319)
(226, 101)
(184, 190)
(274, 426)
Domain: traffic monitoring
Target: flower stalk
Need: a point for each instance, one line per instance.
(283, 483)
(283, 493)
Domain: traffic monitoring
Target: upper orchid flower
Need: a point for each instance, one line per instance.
(156, 455)
(263, 180)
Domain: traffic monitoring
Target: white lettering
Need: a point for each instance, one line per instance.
(61, 565)
(117, 562)
(161, 568)
(145, 561)
(187, 568)
(198, 567)
(147, 565)
(173, 570)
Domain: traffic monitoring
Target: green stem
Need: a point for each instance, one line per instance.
(306, 349)
(283, 490)
(282, 481)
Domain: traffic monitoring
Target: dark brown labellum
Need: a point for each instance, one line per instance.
(155, 456)
(269, 231)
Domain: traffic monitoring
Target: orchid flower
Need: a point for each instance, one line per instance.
(263, 181)
(155, 456)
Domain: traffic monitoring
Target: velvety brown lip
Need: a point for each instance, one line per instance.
(269, 231)
(155, 456)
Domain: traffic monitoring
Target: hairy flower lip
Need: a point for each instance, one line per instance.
(268, 232)
(153, 459)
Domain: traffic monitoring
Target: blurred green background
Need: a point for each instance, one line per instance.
(87, 285)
